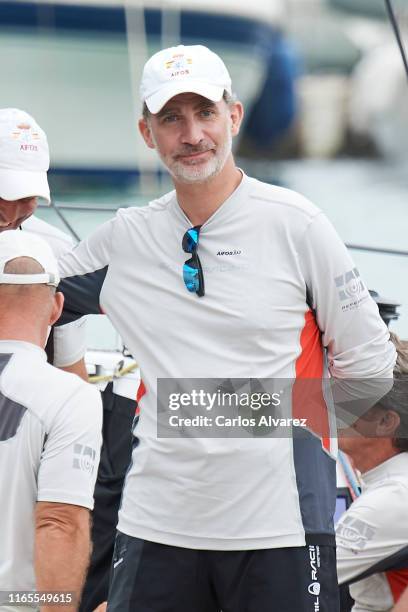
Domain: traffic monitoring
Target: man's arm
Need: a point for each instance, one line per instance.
(360, 354)
(83, 271)
(62, 550)
(371, 536)
(78, 368)
(66, 481)
(69, 347)
(356, 338)
(358, 548)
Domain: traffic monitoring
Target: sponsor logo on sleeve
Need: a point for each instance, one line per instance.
(354, 533)
(84, 458)
(351, 290)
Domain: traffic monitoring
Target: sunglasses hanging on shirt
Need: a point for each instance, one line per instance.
(192, 270)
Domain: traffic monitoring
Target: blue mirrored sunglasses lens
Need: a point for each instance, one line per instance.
(190, 240)
(191, 278)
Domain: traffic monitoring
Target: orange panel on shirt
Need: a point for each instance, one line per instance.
(307, 395)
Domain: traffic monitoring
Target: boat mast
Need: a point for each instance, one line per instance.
(397, 32)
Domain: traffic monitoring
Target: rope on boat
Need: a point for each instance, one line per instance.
(117, 373)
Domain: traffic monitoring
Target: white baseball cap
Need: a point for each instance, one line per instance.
(182, 69)
(16, 243)
(24, 156)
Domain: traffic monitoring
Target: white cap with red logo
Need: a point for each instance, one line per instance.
(24, 156)
(182, 69)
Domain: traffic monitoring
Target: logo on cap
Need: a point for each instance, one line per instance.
(25, 134)
(179, 64)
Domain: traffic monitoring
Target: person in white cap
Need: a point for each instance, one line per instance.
(24, 162)
(372, 535)
(50, 437)
(224, 283)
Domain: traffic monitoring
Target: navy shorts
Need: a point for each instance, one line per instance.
(151, 577)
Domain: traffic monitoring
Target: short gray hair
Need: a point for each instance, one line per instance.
(226, 96)
(23, 265)
(397, 399)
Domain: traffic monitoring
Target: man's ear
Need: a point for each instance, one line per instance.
(236, 111)
(57, 307)
(145, 130)
(389, 423)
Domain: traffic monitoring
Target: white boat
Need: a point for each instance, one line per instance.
(378, 109)
(75, 65)
(378, 103)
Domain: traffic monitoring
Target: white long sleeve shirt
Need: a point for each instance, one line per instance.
(282, 294)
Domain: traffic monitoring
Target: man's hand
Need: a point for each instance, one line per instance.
(102, 607)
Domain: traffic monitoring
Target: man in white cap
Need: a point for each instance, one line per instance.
(223, 280)
(50, 437)
(372, 535)
(24, 162)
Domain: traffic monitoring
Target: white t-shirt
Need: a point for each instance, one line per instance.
(70, 339)
(267, 253)
(372, 538)
(50, 438)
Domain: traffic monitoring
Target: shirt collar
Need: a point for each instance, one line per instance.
(232, 202)
(14, 346)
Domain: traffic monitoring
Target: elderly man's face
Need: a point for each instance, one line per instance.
(375, 425)
(193, 135)
(13, 213)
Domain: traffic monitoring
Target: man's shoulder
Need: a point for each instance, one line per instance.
(43, 388)
(384, 495)
(157, 205)
(287, 200)
(378, 509)
(59, 241)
